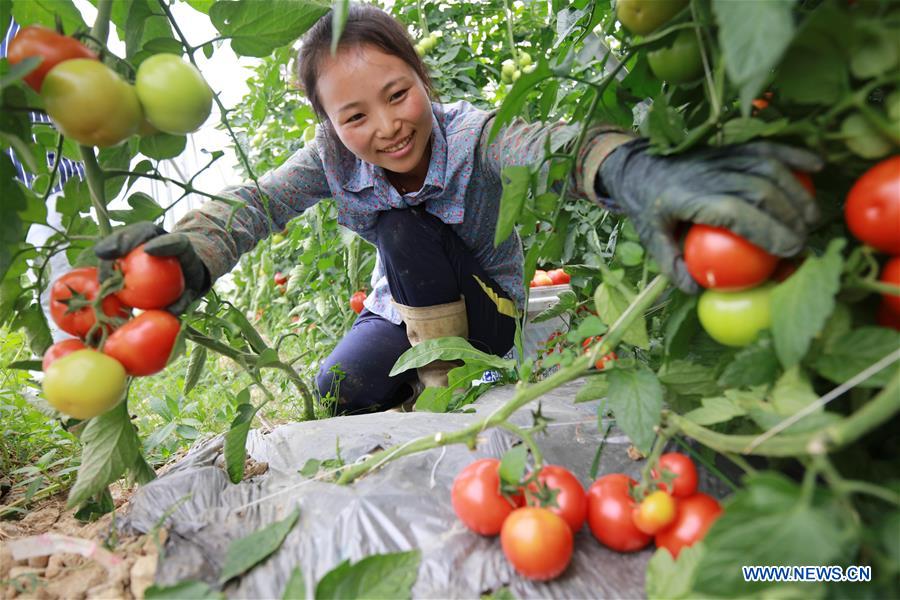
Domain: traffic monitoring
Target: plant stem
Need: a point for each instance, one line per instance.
(524, 395)
(308, 404)
(529, 441)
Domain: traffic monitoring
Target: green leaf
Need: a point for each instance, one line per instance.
(448, 348)
(684, 377)
(20, 70)
(611, 303)
(567, 302)
(185, 590)
(741, 130)
(512, 465)
(33, 321)
(591, 325)
(162, 145)
(801, 305)
(143, 208)
(681, 325)
(236, 442)
(338, 20)
(195, 368)
(110, 446)
(516, 181)
(846, 356)
(296, 586)
(719, 409)
(515, 100)
(594, 388)
(753, 37)
(767, 523)
(258, 28)
(636, 399)
(47, 12)
(378, 576)
(667, 578)
(245, 553)
(792, 392)
(815, 68)
(116, 158)
(26, 365)
(874, 49)
(552, 249)
(435, 400)
(630, 254)
(11, 231)
(755, 364)
(664, 125)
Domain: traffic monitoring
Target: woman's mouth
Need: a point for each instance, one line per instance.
(400, 147)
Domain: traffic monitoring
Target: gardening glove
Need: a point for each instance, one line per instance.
(748, 189)
(157, 243)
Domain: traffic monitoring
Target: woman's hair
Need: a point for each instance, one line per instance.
(366, 25)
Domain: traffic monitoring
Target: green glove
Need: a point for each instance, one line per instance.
(748, 189)
(157, 243)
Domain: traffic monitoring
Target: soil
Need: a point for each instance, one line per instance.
(71, 576)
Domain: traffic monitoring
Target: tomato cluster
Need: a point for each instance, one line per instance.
(85, 377)
(544, 278)
(93, 105)
(537, 521)
(872, 213)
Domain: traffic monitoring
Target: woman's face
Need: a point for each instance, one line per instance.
(378, 107)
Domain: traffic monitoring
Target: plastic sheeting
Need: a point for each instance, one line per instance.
(402, 506)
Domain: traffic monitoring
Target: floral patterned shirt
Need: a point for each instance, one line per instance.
(462, 188)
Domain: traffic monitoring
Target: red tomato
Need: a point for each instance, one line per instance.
(886, 316)
(477, 500)
(150, 281)
(610, 506)
(721, 260)
(655, 512)
(693, 518)
(540, 279)
(685, 482)
(570, 498)
(280, 278)
(357, 300)
(601, 362)
(52, 47)
(537, 542)
(806, 181)
(143, 344)
(60, 349)
(559, 276)
(872, 211)
(890, 274)
(82, 282)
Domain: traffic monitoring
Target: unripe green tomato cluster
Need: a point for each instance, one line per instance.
(429, 42)
(511, 70)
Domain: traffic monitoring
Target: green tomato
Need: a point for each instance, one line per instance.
(524, 59)
(277, 239)
(84, 384)
(508, 68)
(420, 49)
(515, 76)
(309, 134)
(645, 16)
(90, 103)
(680, 61)
(736, 318)
(862, 139)
(175, 97)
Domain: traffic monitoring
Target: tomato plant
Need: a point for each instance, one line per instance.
(721, 260)
(60, 349)
(149, 281)
(53, 48)
(654, 512)
(872, 210)
(90, 103)
(567, 493)
(175, 97)
(84, 384)
(143, 344)
(69, 295)
(681, 469)
(736, 318)
(890, 274)
(694, 516)
(610, 508)
(537, 542)
(477, 500)
(602, 362)
(357, 301)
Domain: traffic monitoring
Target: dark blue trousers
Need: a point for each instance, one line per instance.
(426, 264)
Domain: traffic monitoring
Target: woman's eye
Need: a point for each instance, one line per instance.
(355, 117)
(399, 95)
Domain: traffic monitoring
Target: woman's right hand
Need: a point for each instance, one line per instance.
(157, 242)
